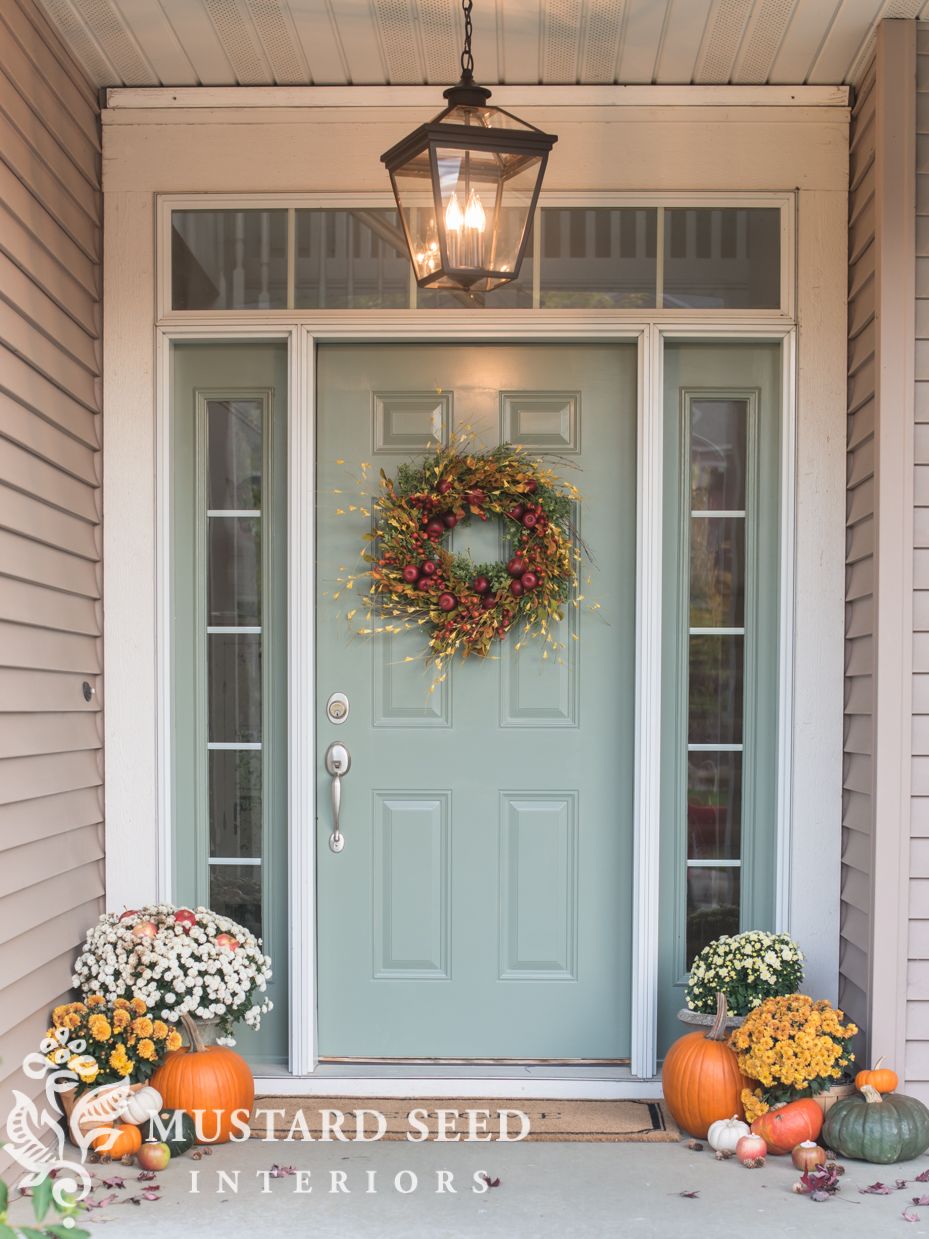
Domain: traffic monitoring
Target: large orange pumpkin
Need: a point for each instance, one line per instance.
(787, 1126)
(701, 1077)
(116, 1141)
(210, 1082)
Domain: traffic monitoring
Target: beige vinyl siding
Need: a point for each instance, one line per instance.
(51, 761)
(857, 814)
(917, 1001)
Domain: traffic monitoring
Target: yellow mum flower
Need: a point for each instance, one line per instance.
(174, 1041)
(139, 1006)
(159, 1030)
(146, 1049)
(95, 1000)
(120, 1019)
(118, 1057)
(142, 1027)
(100, 1028)
(122, 1003)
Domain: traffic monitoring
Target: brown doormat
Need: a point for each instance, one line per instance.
(630, 1122)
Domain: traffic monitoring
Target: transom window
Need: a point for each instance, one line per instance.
(639, 257)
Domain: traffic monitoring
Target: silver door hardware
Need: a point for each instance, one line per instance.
(338, 764)
(337, 708)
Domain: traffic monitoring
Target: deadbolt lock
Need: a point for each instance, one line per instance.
(337, 708)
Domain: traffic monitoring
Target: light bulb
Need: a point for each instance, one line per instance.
(453, 216)
(474, 216)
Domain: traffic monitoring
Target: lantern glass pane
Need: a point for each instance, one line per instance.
(484, 118)
(412, 185)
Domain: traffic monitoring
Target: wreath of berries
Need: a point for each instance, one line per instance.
(465, 606)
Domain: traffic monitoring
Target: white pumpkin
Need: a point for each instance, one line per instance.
(725, 1134)
(143, 1105)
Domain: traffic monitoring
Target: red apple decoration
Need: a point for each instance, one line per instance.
(145, 929)
(531, 486)
(480, 585)
(475, 497)
(451, 520)
(516, 566)
(447, 602)
(130, 912)
(153, 1156)
(751, 1151)
(410, 573)
(185, 918)
(488, 602)
(517, 512)
(425, 582)
(428, 568)
(529, 580)
(228, 941)
(444, 486)
(530, 520)
(516, 587)
(435, 528)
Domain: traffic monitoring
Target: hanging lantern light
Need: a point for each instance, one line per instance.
(466, 185)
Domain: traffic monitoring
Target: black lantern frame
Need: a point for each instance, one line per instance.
(474, 148)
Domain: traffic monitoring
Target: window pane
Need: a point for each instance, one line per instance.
(235, 803)
(717, 572)
(228, 260)
(714, 806)
(722, 257)
(715, 693)
(235, 890)
(718, 437)
(601, 259)
(234, 687)
(351, 260)
(235, 454)
(712, 906)
(235, 571)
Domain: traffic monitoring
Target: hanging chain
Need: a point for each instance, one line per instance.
(467, 60)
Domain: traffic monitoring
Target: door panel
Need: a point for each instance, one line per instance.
(481, 907)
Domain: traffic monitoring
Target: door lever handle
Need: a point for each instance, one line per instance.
(338, 764)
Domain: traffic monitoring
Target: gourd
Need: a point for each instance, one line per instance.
(787, 1126)
(142, 1105)
(701, 1077)
(210, 1080)
(872, 1128)
(118, 1141)
(175, 1128)
(880, 1078)
(725, 1134)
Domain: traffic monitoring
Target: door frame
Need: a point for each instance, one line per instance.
(306, 1075)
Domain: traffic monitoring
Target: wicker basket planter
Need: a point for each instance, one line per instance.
(837, 1092)
(703, 1020)
(68, 1101)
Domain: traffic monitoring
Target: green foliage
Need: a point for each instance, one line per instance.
(43, 1199)
(747, 968)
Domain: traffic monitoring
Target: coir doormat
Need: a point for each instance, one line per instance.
(431, 1118)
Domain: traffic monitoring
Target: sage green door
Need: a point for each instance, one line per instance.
(481, 907)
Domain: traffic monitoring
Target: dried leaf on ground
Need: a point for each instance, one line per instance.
(689, 1195)
(489, 1181)
(909, 1216)
(282, 1172)
(876, 1189)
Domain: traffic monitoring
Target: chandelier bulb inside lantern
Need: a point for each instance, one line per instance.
(453, 216)
(474, 216)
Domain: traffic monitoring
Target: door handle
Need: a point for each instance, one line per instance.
(338, 764)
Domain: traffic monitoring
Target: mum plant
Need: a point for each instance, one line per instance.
(794, 1047)
(747, 968)
(107, 1042)
(178, 961)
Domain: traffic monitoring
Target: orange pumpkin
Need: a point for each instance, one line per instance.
(116, 1141)
(787, 1126)
(881, 1079)
(701, 1077)
(210, 1082)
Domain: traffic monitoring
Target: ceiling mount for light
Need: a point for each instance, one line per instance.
(466, 185)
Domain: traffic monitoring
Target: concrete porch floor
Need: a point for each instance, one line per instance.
(627, 1190)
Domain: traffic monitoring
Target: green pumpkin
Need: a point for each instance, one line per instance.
(179, 1126)
(876, 1128)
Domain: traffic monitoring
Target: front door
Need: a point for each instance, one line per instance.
(481, 907)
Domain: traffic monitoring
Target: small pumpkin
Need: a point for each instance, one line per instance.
(879, 1129)
(701, 1077)
(787, 1126)
(142, 1104)
(880, 1078)
(117, 1141)
(725, 1134)
(175, 1128)
(211, 1083)
(808, 1155)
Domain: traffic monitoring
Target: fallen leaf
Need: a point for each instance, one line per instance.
(901, 1184)
(909, 1216)
(876, 1189)
(818, 1194)
(489, 1181)
(921, 1200)
(689, 1195)
(282, 1172)
(100, 1204)
(145, 1176)
(151, 1193)
(923, 1177)
(116, 1181)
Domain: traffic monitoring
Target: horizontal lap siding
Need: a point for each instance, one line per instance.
(857, 818)
(51, 761)
(917, 1015)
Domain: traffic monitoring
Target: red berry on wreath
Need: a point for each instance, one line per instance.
(444, 486)
(475, 496)
(429, 567)
(517, 512)
(435, 528)
(501, 632)
(531, 486)
(530, 520)
(516, 566)
(529, 580)
(410, 574)
(488, 602)
(425, 582)
(450, 519)
(447, 602)
(516, 588)
(480, 585)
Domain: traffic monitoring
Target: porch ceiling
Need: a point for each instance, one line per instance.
(403, 42)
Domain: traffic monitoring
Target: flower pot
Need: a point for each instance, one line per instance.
(836, 1092)
(704, 1020)
(68, 1100)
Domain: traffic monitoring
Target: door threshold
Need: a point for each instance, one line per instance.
(329, 1060)
(583, 1082)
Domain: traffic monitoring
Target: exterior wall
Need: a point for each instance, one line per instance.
(51, 771)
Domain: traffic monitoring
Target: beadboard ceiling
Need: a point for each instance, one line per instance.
(403, 42)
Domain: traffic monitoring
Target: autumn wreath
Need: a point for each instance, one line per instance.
(467, 606)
